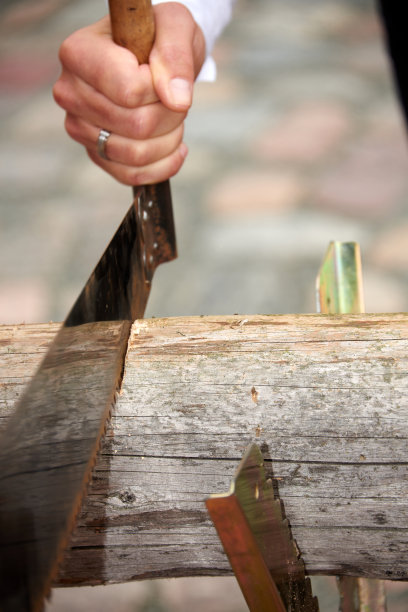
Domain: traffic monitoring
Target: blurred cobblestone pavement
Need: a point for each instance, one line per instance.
(299, 142)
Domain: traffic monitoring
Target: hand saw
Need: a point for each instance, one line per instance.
(50, 444)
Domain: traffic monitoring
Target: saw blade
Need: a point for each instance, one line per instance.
(50, 444)
(268, 538)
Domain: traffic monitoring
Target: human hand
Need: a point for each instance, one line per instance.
(102, 86)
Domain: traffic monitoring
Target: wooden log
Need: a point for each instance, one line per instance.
(326, 398)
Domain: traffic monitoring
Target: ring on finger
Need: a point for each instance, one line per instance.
(101, 143)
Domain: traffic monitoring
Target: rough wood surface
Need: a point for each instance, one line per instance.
(326, 398)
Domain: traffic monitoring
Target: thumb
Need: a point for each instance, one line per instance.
(177, 55)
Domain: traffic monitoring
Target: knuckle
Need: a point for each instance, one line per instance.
(67, 50)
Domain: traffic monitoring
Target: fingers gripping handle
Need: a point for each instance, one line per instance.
(133, 26)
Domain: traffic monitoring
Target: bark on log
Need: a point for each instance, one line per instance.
(326, 398)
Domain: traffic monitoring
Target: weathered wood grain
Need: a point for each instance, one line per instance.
(326, 397)
(22, 347)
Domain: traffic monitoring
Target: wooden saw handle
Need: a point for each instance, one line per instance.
(133, 26)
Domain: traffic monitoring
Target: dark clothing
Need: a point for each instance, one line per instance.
(393, 13)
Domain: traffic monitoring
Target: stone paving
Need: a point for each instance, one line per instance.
(299, 142)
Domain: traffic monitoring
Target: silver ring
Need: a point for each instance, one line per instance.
(101, 144)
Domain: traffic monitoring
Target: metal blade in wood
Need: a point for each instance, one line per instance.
(50, 444)
(255, 498)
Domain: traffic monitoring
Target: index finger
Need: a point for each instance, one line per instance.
(91, 54)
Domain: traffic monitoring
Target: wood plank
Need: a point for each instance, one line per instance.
(324, 396)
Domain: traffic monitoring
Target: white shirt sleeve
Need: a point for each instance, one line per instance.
(212, 16)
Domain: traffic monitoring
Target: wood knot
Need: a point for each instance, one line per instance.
(127, 497)
(254, 395)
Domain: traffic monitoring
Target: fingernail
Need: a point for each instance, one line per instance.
(183, 149)
(180, 92)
